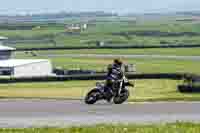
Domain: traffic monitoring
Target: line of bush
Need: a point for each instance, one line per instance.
(188, 89)
(101, 76)
(113, 47)
(191, 84)
(156, 33)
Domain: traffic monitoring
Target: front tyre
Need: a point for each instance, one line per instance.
(92, 97)
(122, 97)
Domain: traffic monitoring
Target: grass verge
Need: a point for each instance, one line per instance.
(177, 127)
(145, 90)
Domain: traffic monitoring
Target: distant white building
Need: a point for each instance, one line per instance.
(22, 67)
(5, 52)
(76, 27)
(73, 27)
(25, 68)
(2, 38)
(85, 26)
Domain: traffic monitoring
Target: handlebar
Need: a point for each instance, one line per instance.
(129, 84)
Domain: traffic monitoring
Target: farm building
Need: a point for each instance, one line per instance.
(5, 52)
(2, 38)
(25, 68)
(76, 27)
(22, 67)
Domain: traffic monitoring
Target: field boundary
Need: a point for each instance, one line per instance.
(112, 47)
(101, 76)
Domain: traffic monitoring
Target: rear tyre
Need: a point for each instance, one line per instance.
(92, 97)
(122, 97)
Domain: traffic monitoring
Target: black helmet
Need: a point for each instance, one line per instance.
(118, 62)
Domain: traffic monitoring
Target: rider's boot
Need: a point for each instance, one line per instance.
(109, 99)
(108, 95)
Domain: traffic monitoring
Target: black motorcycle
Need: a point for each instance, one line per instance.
(120, 92)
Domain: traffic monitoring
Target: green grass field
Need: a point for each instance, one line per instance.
(142, 65)
(145, 90)
(120, 128)
(104, 31)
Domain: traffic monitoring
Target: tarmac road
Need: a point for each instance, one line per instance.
(21, 113)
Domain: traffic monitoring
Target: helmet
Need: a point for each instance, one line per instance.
(118, 62)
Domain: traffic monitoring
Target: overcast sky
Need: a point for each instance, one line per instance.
(120, 6)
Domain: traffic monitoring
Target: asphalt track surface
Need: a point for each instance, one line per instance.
(39, 113)
(174, 57)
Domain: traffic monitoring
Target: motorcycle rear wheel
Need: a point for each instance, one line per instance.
(122, 97)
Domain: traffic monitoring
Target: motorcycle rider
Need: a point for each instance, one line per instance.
(115, 73)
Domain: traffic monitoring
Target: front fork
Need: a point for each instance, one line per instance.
(120, 89)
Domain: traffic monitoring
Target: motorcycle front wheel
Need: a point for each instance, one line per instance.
(92, 96)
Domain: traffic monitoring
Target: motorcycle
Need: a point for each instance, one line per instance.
(120, 92)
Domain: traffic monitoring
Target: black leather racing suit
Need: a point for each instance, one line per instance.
(114, 74)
